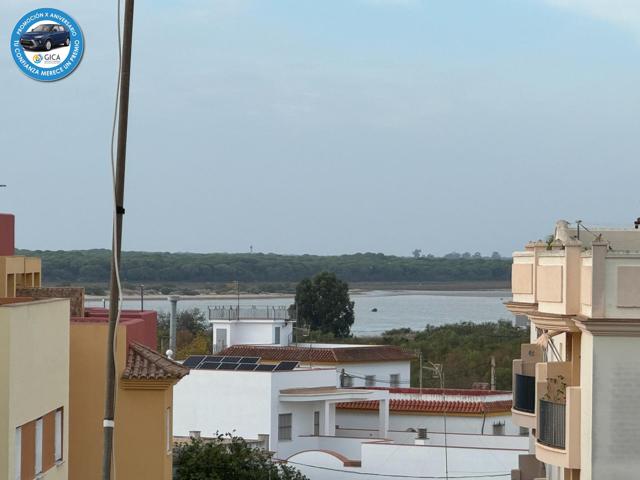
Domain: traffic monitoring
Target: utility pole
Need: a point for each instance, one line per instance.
(420, 372)
(438, 371)
(493, 373)
(114, 303)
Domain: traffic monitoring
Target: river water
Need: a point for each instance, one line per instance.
(395, 309)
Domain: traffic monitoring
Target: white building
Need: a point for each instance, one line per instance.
(302, 417)
(262, 325)
(291, 410)
(469, 412)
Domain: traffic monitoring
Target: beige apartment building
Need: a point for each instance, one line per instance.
(577, 384)
(53, 376)
(34, 388)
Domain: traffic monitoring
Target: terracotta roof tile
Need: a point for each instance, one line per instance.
(375, 353)
(146, 364)
(431, 406)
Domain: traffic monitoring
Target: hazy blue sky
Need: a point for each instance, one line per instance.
(320, 126)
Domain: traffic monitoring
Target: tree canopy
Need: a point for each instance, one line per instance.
(93, 266)
(228, 458)
(323, 303)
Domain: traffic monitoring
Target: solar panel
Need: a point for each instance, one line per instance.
(208, 365)
(231, 359)
(214, 358)
(227, 366)
(282, 366)
(246, 367)
(249, 359)
(265, 368)
(193, 361)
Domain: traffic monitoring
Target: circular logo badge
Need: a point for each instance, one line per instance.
(47, 44)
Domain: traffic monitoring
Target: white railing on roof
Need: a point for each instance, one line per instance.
(262, 312)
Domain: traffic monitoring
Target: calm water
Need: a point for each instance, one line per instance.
(395, 309)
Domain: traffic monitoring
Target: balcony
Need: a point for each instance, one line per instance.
(558, 415)
(553, 423)
(524, 385)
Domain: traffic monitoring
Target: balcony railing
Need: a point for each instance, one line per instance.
(250, 313)
(552, 430)
(525, 393)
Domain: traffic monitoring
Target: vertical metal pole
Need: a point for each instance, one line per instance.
(173, 324)
(493, 373)
(420, 372)
(123, 117)
(444, 399)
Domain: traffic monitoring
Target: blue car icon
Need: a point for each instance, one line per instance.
(45, 37)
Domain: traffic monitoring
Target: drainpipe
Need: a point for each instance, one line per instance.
(173, 299)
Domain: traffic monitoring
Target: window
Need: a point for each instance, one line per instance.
(17, 446)
(316, 423)
(277, 336)
(39, 445)
(284, 426)
(58, 436)
(524, 431)
(369, 380)
(394, 380)
(39, 425)
(167, 426)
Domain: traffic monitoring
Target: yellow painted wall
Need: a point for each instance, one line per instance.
(140, 414)
(36, 372)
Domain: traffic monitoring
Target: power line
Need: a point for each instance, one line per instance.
(391, 475)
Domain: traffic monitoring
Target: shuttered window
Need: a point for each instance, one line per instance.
(38, 445)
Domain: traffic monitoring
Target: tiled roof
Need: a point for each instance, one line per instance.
(430, 406)
(146, 364)
(447, 391)
(373, 353)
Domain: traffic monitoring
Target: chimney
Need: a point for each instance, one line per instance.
(7, 235)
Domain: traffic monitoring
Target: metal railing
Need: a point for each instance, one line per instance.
(250, 313)
(552, 424)
(524, 395)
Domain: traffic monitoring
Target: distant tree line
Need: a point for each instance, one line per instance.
(94, 266)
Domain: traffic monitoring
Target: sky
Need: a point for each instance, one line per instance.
(330, 127)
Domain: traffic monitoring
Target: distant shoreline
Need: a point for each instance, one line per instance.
(356, 288)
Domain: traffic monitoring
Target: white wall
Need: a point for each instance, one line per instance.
(426, 461)
(381, 370)
(350, 419)
(245, 403)
(222, 401)
(253, 332)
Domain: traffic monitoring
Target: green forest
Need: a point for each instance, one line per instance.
(93, 266)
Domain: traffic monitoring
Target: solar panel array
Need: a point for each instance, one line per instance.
(244, 364)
